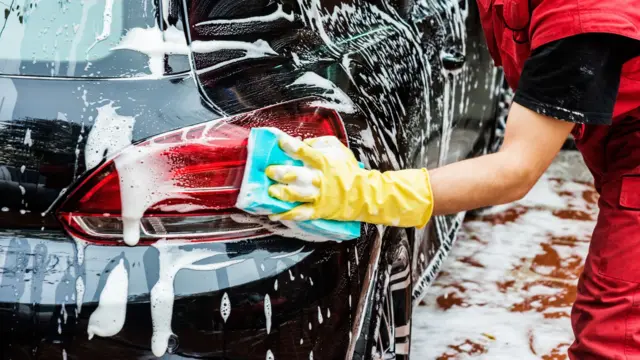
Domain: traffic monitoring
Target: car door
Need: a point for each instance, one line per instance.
(464, 86)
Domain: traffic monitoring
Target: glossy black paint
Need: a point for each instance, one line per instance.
(38, 262)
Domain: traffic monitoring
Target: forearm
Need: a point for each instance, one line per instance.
(484, 181)
(531, 142)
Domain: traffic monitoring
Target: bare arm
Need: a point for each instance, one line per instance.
(531, 142)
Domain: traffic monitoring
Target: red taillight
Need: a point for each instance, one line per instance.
(184, 184)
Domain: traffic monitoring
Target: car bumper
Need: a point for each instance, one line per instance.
(47, 297)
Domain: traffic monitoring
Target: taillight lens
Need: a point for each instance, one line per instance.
(184, 184)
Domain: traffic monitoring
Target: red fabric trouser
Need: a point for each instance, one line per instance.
(606, 314)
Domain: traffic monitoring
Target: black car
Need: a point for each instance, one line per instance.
(131, 117)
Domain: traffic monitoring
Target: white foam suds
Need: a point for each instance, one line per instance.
(63, 312)
(60, 195)
(109, 134)
(293, 230)
(225, 307)
(293, 253)
(181, 208)
(341, 101)
(173, 259)
(270, 355)
(27, 138)
(81, 246)
(165, 10)
(320, 319)
(267, 312)
(155, 43)
(107, 17)
(303, 184)
(80, 288)
(5, 209)
(276, 15)
(256, 49)
(108, 318)
(143, 182)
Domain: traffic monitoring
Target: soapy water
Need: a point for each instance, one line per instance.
(276, 15)
(225, 307)
(140, 175)
(174, 258)
(109, 134)
(267, 312)
(107, 18)
(109, 316)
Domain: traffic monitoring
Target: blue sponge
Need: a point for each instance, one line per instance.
(263, 151)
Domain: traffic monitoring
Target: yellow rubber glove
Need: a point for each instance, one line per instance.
(334, 187)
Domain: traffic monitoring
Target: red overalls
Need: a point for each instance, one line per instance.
(606, 314)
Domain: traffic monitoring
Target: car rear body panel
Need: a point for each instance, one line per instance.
(311, 294)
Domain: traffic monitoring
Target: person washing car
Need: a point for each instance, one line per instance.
(574, 66)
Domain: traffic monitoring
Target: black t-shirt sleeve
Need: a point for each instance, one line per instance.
(576, 79)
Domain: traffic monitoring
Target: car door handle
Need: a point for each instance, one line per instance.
(453, 60)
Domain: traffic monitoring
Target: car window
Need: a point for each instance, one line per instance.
(88, 38)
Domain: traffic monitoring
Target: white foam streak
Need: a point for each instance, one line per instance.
(110, 133)
(225, 307)
(155, 43)
(276, 15)
(27, 138)
(107, 18)
(80, 288)
(267, 312)
(173, 259)
(256, 49)
(342, 101)
(140, 177)
(108, 318)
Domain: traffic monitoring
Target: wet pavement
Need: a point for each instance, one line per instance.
(506, 290)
